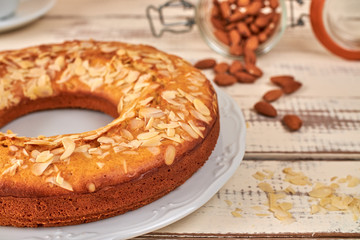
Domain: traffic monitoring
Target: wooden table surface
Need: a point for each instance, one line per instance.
(325, 150)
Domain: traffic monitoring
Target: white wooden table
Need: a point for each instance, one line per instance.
(327, 146)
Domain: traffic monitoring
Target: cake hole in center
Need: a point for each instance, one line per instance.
(57, 121)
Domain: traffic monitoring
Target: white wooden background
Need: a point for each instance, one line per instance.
(327, 145)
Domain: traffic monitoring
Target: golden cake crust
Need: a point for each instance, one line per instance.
(166, 125)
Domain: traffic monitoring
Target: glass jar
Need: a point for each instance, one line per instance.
(336, 24)
(206, 28)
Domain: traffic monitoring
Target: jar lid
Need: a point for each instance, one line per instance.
(334, 24)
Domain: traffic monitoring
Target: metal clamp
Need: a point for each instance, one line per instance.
(170, 27)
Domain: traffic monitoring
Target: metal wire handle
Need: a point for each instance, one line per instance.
(169, 27)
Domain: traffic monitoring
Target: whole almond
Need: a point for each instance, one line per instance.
(262, 37)
(265, 108)
(230, 27)
(293, 122)
(273, 3)
(235, 37)
(215, 11)
(262, 21)
(236, 66)
(252, 43)
(205, 63)
(217, 23)
(225, 9)
(254, 29)
(222, 36)
(272, 95)
(221, 67)
(244, 77)
(237, 16)
(236, 50)
(249, 19)
(243, 3)
(243, 29)
(291, 87)
(253, 70)
(224, 79)
(249, 56)
(254, 8)
(286, 82)
(281, 80)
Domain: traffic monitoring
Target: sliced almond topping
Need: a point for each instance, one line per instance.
(13, 148)
(201, 107)
(59, 179)
(69, 146)
(82, 148)
(195, 128)
(106, 140)
(146, 101)
(136, 123)
(154, 150)
(151, 112)
(95, 151)
(66, 185)
(189, 130)
(91, 187)
(152, 142)
(126, 134)
(132, 76)
(170, 132)
(44, 156)
(147, 135)
(120, 104)
(170, 155)
(60, 62)
(100, 164)
(39, 168)
(150, 123)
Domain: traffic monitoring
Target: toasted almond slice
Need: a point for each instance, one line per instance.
(170, 155)
(44, 156)
(151, 112)
(105, 140)
(201, 107)
(189, 130)
(13, 148)
(321, 192)
(126, 134)
(195, 128)
(265, 187)
(146, 101)
(170, 132)
(147, 135)
(59, 179)
(39, 168)
(69, 146)
(149, 123)
(152, 142)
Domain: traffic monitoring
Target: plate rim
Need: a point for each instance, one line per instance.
(19, 21)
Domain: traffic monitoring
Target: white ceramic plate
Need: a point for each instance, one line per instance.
(221, 165)
(28, 11)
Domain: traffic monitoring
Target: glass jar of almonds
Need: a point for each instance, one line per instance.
(231, 27)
